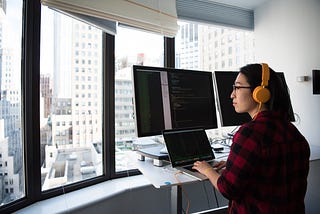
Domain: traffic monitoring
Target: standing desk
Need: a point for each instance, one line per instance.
(165, 176)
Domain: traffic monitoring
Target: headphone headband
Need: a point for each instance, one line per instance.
(265, 76)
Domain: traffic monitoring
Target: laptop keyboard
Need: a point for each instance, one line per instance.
(212, 163)
(190, 168)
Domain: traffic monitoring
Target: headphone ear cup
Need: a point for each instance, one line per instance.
(261, 94)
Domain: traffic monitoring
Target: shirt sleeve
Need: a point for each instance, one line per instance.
(240, 164)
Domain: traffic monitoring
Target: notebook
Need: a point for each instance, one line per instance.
(187, 146)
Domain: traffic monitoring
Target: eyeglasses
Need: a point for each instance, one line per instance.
(236, 87)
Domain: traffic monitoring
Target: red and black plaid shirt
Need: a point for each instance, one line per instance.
(267, 168)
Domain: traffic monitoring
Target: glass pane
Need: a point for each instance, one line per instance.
(70, 100)
(213, 48)
(11, 146)
(210, 48)
(133, 47)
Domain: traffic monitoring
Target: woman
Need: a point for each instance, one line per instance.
(267, 168)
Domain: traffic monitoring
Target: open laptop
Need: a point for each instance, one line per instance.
(187, 146)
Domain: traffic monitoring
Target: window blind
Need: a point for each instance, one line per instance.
(211, 12)
(158, 16)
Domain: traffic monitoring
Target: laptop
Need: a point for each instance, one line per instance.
(185, 146)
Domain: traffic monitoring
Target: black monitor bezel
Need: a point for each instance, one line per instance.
(137, 106)
(229, 117)
(237, 119)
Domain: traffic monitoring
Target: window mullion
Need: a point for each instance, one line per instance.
(30, 92)
(108, 104)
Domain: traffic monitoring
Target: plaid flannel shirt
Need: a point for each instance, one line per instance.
(267, 168)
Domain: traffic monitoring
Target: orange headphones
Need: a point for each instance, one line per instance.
(261, 94)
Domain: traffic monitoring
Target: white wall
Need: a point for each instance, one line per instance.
(287, 36)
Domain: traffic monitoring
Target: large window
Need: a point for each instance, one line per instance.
(54, 103)
(70, 100)
(210, 48)
(132, 47)
(213, 48)
(12, 173)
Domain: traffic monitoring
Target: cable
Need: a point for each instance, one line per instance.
(184, 193)
(232, 131)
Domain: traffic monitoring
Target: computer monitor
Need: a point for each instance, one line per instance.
(168, 98)
(290, 110)
(228, 116)
(315, 81)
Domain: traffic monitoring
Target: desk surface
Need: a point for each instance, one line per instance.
(163, 176)
(166, 176)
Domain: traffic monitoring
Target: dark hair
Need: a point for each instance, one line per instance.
(280, 97)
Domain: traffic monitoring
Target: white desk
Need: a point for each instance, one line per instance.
(164, 176)
(167, 177)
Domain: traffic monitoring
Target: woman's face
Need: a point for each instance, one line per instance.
(241, 96)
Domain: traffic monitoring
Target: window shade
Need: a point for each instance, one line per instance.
(158, 16)
(103, 24)
(215, 13)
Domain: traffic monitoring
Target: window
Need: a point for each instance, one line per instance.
(69, 132)
(11, 128)
(132, 47)
(189, 56)
(58, 52)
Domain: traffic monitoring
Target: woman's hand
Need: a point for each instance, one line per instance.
(211, 172)
(204, 168)
(219, 165)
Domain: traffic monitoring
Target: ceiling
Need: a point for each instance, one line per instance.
(247, 4)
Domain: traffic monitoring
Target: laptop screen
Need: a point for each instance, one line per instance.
(187, 146)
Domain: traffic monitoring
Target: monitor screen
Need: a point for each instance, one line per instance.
(168, 98)
(228, 116)
(315, 81)
(290, 110)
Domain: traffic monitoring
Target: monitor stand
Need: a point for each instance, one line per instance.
(153, 153)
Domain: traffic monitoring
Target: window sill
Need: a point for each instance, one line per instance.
(87, 196)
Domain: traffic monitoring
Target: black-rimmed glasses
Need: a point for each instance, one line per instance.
(235, 87)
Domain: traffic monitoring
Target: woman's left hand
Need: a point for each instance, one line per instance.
(202, 166)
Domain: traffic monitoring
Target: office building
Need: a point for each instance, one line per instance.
(213, 48)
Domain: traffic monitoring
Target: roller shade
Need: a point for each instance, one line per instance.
(158, 16)
(215, 13)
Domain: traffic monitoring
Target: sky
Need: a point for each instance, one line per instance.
(12, 32)
(14, 21)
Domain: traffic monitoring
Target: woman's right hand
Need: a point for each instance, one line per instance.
(220, 165)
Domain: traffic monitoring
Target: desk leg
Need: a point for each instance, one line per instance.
(176, 199)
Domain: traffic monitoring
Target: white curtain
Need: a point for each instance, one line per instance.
(158, 16)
